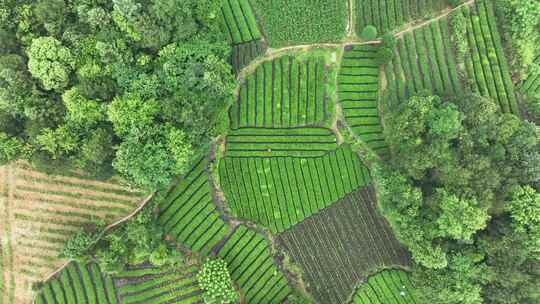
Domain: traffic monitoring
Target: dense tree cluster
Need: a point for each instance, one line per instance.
(215, 281)
(139, 240)
(129, 86)
(521, 22)
(462, 193)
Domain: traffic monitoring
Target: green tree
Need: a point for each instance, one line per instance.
(215, 281)
(369, 33)
(460, 218)
(50, 62)
(10, 148)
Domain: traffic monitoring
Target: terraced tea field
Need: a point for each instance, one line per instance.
(339, 247)
(389, 15)
(188, 213)
(43, 211)
(387, 286)
(358, 91)
(424, 60)
(252, 267)
(79, 284)
(279, 192)
(151, 285)
(240, 26)
(487, 64)
(283, 93)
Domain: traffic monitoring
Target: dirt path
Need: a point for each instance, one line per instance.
(350, 20)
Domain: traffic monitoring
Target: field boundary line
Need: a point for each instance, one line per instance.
(105, 230)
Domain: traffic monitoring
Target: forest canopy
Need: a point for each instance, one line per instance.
(124, 86)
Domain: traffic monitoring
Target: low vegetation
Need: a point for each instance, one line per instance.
(289, 22)
(215, 281)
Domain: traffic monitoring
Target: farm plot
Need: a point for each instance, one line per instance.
(284, 93)
(188, 213)
(46, 210)
(252, 267)
(486, 63)
(298, 142)
(290, 22)
(240, 26)
(279, 192)
(358, 90)
(531, 86)
(387, 286)
(158, 286)
(78, 284)
(388, 15)
(424, 61)
(339, 247)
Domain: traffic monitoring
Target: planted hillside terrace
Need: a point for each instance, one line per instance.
(283, 93)
(339, 247)
(279, 192)
(240, 25)
(298, 142)
(487, 63)
(388, 15)
(424, 61)
(188, 213)
(358, 91)
(387, 286)
(252, 267)
(153, 285)
(78, 284)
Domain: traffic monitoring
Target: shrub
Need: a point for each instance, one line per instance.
(458, 24)
(369, 33)
(215, 280)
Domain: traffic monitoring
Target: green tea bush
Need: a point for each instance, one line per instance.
(215, 280)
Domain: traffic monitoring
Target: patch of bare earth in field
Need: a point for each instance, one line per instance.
(40, 212)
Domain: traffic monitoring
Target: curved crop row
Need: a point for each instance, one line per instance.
(387, 286)
(252, 267)
(78, 284)
(387, 15)
(188, 213)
